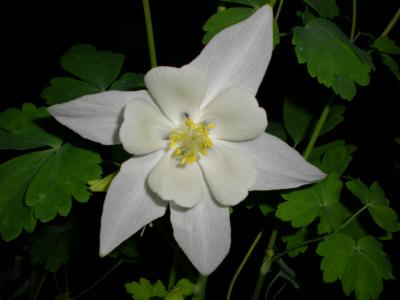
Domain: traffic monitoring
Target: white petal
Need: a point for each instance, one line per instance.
(236, 115)
(238, 55)
(278, 165)
(182, 184)
(178, 91)
(129, 203)
(203, 233)
(228, 173)
(96, 117)
(144, 129)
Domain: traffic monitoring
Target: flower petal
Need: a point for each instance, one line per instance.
(278, 165)
(178, 91)
(144, 129)
(236, 115)
(238, 55)
(228, 173)
(182, 184)
(129, 203)
(203, 233)
(96, 117)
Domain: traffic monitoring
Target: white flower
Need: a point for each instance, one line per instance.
(198, 141)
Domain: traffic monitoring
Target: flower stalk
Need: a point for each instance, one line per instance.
(150, 34)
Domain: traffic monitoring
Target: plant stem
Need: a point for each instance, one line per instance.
(150, 34)
(270, 285)
(353, 216)
(172, 275)
(317, 130)
(242, 264)
(39, 287)
(278, 11)
(353, 21)
(283, 253)
(66, 279)
(392, 22)
(200, 287)
(98, 280)
(266, 264)
(56, 282)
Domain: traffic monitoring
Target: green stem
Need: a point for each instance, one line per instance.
(392, 22)
(317, 130)
(270, 285)
(283, 253)
(266, 264)
(242, 264)
(98, 280)
(56, 282)
(150, 34)
(278, 11)
(200, 287)
(353, 216)
(172, 275)
(353, 21)
(66, 279)
(279, 291)
(39, 287)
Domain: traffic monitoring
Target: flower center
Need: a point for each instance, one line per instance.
(190, 139)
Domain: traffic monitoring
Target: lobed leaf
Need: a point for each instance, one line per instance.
(294, 240)
(325, 8)
(296, 119)
(386, 45)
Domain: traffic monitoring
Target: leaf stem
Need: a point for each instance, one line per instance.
(392, 22)
(150, 34)
(242, 264)
(317, 129)
(172, 275)
(56, 282)
(270, 285)
(98, 280)
(266, 264)
(40, 286)
(278, 11)
(353, 216)
(305, 243)
(353, 21)
(66, 279)
(200, 287)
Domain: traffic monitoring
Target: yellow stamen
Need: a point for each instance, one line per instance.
(189, 140)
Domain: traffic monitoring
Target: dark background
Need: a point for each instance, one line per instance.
(35, 34)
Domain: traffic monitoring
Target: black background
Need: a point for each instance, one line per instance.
(35, 34)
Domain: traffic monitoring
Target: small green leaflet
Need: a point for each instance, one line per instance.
(96, 72)
(296, 119)
(378, 206)
(331, 57)
(223, 19)
(392, 65)
(321, 200)
(325, 8)
(183, 288)
(101, 185)
(385, 44)
(144, 290)
(335, 117)
(360, 265)
(40, 184)
(252, 3)
(23, 129)
(50, 249)
(294, 240)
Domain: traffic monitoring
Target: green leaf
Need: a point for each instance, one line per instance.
(15, 177)
(317, 153)
(65, 89)
(265, 208)
(252, 3)
(185, 286)
(101, 185)
(321, 200)
(223, 19)
(61, 177)
(50, 249)
(331, 57)
(325, 8)
(391, 64)
(98, 68)
(129, 81)
(337, 159)
(144, 290)
(386, 45)
(62, 297)
(276, 34)
(23, 129)
(277, 130)
(294, 240)
(335, 117)
(360, 265)
(378, 206)
(296, 119)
